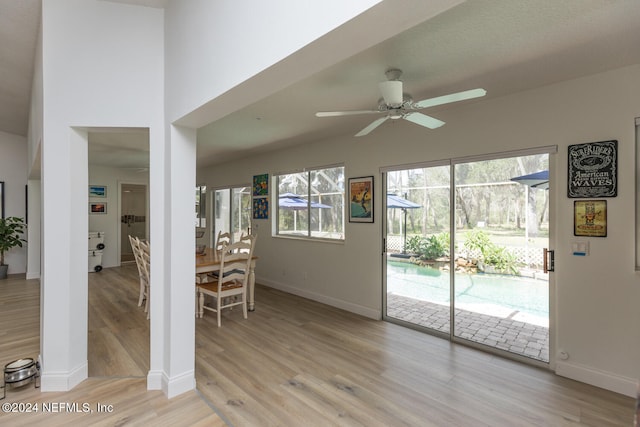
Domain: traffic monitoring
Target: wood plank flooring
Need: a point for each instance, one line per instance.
(296, 362)
(118, 332)
(118, 328)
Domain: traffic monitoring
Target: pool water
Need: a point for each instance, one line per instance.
(493, 294)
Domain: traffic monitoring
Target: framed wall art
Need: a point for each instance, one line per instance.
(97, 208)
(593, 170)
(1, 199)
(361, 199)
(261, 185)
(260, 208)
(590, 218)
(98, 191)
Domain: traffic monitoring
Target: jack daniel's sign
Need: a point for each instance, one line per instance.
(593, 170)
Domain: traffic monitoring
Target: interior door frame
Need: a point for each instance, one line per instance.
(551, 151)
(146, 204)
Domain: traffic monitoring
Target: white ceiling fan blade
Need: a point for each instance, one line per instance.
(391, 92)
(372, 126)
(453, 97)
(346, 113)
(423, 120)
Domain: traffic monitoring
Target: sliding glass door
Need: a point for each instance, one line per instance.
(418, 247)
(466, 260)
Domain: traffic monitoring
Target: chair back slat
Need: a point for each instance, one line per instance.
(223, 239)
(235, 261)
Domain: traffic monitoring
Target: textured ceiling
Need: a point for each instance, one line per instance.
(18, 34)
(504, 46)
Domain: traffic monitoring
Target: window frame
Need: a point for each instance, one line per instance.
(201, 206)
(308, 233)
(216, 211)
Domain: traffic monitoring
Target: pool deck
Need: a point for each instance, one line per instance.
(526, 339)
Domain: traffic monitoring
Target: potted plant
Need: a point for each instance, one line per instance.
(11, 230)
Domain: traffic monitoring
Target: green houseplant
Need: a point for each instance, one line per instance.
(11, 231)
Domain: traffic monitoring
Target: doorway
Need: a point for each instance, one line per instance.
(133, 220)
(464, 252)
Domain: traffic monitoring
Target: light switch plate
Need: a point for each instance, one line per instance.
(580, 248)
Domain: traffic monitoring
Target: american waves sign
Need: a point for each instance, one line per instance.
(593, 169)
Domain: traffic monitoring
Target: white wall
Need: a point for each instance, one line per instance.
(216, 48)
(102, 66)
(13, 171)
(597, 297)
(235, 40)
(34, 139)
(34, 134)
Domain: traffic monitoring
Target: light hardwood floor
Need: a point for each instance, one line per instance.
(296, 362)
(118, 361)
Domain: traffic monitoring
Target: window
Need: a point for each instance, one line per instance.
(311, 204)
(232, 211)
(201, 206)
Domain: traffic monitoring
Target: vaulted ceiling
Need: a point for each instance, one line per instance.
(503, 46)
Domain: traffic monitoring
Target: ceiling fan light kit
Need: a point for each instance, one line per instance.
(398, 105)
(391, 92)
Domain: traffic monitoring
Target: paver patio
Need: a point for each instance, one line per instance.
(504, 333)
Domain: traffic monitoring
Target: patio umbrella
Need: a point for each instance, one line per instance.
(397, 202)
(537, 180)
(534, 180)
(295, 202)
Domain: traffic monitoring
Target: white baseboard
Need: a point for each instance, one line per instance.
(334, 302)
(34, 275)
(175, 386)
(606, 380)
(154, 380)
(64, 381)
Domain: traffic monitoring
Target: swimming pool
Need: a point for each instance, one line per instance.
(517, 297)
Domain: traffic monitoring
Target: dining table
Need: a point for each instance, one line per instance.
(209, 262)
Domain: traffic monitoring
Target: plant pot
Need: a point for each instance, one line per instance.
(3, 271)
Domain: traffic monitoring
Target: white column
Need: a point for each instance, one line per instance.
(64, 259)
(173, 264)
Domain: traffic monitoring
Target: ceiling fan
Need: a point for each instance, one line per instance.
(395, 104)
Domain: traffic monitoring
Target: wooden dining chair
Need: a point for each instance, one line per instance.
(232, 280)
(223, 239)
(135, 247)
(145, 257)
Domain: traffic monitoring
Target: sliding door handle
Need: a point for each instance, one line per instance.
(548, 260)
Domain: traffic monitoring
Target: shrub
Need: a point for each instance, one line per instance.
(496, 256)
(501, 259)
(431, 247)
(414, 244)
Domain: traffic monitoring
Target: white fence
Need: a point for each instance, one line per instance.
(528, 256)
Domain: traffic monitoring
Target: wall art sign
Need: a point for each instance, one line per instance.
(593, 170)
(361, 199)
(261, 185)
(590, 218)
(260, 208)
